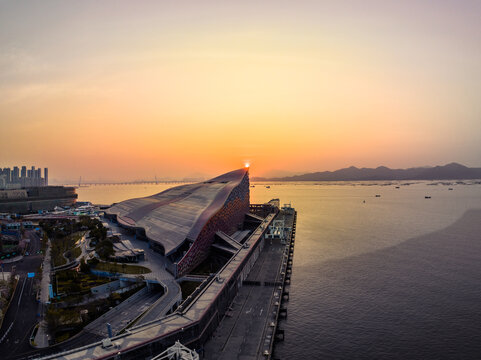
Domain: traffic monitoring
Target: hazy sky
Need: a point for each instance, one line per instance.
(132, 89)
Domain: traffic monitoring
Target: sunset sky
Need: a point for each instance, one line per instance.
(124, 90)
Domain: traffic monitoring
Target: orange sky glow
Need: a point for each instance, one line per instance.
(133, 90)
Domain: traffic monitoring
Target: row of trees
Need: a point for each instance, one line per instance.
(59, 228)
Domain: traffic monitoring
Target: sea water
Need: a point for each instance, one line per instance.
(373, 276)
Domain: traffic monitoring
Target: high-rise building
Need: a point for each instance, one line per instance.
(8, 178)
(16, 178)
(15, 174)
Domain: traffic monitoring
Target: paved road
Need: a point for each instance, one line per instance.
(21, 316)
(121, 315)
(240, 333)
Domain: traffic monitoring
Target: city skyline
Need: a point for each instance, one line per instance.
(18, 177)
(125, 91)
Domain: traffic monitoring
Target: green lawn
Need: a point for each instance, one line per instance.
(121, 268)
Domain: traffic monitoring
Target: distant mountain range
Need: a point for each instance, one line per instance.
(451, 171)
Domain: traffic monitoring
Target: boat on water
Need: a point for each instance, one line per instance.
(377, 195)
(427, 197)
(268, 187)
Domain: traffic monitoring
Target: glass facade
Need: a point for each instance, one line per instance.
(227, 220)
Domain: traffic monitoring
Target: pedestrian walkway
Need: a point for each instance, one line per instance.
(42, 336)
(84, 243)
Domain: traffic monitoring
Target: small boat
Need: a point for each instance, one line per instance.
(268, 187)
(378, 195)
(397, 187)
(427, 197)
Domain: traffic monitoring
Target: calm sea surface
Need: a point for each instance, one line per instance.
(374, 279)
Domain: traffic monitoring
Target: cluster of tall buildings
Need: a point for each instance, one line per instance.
(22, 177)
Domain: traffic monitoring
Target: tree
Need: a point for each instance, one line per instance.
(84, 267)
(105, 249)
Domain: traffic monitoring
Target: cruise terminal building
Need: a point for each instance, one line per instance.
(181, 222)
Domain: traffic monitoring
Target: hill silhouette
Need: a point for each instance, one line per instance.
(452, 171)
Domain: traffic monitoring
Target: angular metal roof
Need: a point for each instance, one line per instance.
(178, 213)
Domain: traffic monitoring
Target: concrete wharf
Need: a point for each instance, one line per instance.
(251, 327)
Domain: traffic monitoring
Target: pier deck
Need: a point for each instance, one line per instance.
(245, 333)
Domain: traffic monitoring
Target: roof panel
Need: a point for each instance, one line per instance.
(173, 215)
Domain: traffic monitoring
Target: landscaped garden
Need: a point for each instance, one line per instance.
(64, 323)
(63, 248)
(73, 283)
(64, 233)
(119, 268)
